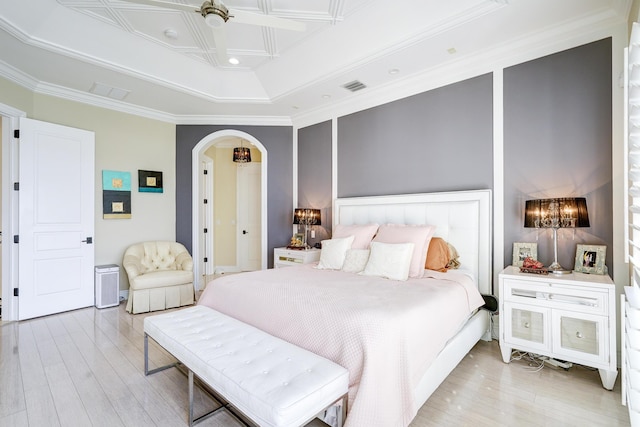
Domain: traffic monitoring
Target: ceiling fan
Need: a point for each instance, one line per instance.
(216, 14)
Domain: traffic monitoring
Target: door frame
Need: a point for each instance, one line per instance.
(10, 123)
(197, 193)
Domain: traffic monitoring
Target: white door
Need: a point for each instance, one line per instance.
(249, 220)
(56, 223)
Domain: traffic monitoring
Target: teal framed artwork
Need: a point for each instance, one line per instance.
(116, 195)
(149, 181)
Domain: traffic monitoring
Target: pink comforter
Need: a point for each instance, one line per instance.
(385, 332)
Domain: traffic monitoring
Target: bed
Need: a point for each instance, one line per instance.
(398, 338)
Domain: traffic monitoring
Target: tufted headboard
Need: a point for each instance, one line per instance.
(462, 218)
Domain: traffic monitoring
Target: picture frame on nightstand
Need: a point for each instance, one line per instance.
(590, 259)
(522, 250)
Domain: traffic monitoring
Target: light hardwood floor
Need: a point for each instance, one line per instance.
(85, 368)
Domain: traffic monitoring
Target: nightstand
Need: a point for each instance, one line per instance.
(569, 317)
(283, 257)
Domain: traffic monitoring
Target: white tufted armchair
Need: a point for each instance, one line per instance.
(160, 276)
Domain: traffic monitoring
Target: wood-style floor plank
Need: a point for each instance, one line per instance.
(85, 368)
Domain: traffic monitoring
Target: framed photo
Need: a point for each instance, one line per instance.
(590, 259)
(298, 238)
(523, 250)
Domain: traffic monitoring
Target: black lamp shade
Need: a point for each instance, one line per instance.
(306, 216)
(241, 155)
(572, 213)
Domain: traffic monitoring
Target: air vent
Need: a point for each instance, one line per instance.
(109, 91)
(354, 86)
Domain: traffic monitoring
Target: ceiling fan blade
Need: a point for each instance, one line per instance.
(220, 40)
(166, 5)
(242, 17)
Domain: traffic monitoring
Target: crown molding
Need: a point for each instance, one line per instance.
(545, 42)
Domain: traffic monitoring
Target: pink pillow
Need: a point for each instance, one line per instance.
(419, 235)
(362, 234)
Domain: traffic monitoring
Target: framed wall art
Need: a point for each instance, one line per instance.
(522, 250)
(590, 259)
(116, 195)
(149, 182)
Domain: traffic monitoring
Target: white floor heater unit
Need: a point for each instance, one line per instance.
(107, 285)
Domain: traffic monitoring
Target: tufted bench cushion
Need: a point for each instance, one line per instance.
(272, 382)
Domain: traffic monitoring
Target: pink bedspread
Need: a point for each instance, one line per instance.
(385, 332)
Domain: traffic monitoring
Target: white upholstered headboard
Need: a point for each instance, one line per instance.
(462, 218)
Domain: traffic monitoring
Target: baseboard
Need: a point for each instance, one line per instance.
(222, 269)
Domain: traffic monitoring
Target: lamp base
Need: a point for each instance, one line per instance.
(556, 268)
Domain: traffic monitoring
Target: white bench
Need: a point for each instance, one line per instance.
(270, 381)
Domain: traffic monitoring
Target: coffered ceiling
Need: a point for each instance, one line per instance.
(163, 63)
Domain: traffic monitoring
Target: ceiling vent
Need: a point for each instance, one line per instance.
(354, 86)
(109, 91)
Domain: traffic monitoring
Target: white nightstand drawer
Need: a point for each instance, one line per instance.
(283, 257)
(580, 337)
(556, 296)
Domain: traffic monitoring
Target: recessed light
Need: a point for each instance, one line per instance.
(326, 96)
(452, 50)
(394, 71)
(170, 33)
(234, 61)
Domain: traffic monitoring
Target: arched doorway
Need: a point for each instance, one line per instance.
(203, 229)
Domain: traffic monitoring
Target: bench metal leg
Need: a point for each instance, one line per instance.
(146, 359)
(192, 420)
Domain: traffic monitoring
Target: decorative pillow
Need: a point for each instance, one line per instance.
(362, 234)
(390, 260)
(453, 257)
(437, 255)
(356, 260)
(419, 235)
(333, 253)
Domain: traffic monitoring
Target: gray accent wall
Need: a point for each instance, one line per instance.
(557, 143)
(278, 142)
(314, 174)
(440, 140)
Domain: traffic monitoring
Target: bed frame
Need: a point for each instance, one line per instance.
(462, 218)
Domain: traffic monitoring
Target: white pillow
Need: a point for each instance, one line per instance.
(333, 253)
(390, 260)
(419, 235)
(356, 260)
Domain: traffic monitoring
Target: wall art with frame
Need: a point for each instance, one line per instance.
(116, 195)
(149, 181)
(590, 259)
(522, 250)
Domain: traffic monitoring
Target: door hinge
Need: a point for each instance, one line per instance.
(16, 186)
(16, 133)
(16, 238)
(206, 259)
(15, 292)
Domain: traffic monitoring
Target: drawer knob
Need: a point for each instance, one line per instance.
(579, 334)
(526, 325)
